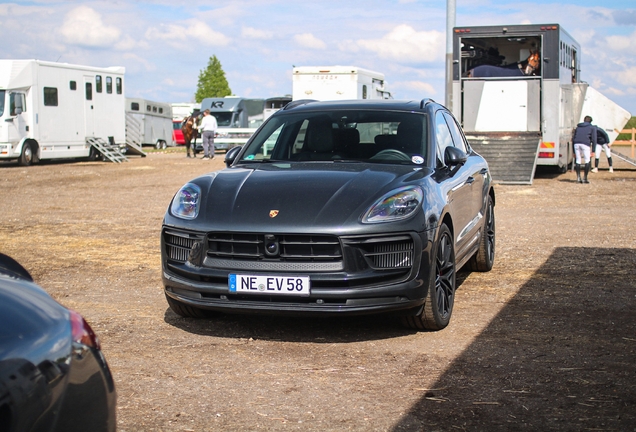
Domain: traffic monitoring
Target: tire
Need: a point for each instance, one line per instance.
(185, 310)
(484, 258)
(437, 310)
(158, 145)
(26, 157)
(164, 145)
(94, 154)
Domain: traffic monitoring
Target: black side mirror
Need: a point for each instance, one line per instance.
(454, 157)
(231, 154)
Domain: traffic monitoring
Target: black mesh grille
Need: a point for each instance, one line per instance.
(385, 253)
(179, 243)
(291, 248)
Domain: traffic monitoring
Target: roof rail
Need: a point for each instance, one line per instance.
(294, 104)
(426, 101)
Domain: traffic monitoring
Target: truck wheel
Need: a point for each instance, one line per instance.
(185, 310)
(26, 158)
(484, 258)
(436, 312)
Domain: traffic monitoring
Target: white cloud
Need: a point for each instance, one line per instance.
(626, 77)
(188, 34)
(307, 40)
(407, 45)
(621, 43)
(83, 26)
(252, 33)
(418, 87)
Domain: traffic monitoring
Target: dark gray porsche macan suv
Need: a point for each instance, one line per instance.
(347, 207)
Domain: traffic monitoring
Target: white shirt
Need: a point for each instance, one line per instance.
(208, 123)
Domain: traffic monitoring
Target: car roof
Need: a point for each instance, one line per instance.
(378, 104)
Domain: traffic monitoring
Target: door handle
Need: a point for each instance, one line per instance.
(470, 180)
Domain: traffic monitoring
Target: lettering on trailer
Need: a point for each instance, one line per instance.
(217, 104)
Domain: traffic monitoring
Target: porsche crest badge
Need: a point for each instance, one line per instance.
(273, 213)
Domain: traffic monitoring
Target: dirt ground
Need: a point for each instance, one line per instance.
(545, 341)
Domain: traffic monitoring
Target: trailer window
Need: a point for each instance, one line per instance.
(72, 85)
(109, 85)
(134, 106)
(89, 91)
(154, 109)
(50, 96)
(98, 83)
(364, 91)
(119, 85)
(2, 95)
(160, 110)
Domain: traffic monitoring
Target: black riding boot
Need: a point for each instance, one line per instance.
(587, 170)
(577, 168)
(609, 161)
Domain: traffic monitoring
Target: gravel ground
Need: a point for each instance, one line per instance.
(545, 341)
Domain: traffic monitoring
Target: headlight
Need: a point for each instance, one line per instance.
(186, 202)
(396, 205)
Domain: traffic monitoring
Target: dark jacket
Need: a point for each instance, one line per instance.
(585, 133)
(601, 136)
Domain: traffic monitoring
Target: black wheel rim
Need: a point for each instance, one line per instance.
(490, 232)
(445, 280)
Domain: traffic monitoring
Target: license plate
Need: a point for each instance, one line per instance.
(275, 285)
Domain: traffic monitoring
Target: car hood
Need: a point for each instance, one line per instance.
(288, 197)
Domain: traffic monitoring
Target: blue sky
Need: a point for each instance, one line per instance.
(165, 44)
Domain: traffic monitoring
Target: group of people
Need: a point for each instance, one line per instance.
(208, 126)
(589, 139)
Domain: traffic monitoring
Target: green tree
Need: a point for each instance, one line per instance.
(630, 124)
(212, 81)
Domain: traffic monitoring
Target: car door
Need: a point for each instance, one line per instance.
(456, 183)
(476, 170)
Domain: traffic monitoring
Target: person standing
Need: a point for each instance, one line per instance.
(602, 142)
(208, 127)
(584, 140)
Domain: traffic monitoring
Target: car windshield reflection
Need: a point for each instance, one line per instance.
(352, 136)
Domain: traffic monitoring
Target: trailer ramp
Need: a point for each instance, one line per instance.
(511, 156)
(624, 157)
(109, 150)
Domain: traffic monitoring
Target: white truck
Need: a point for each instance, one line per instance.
(519, 122)
(150, 122)
(57, 110)
(237, 119)
(337, 83)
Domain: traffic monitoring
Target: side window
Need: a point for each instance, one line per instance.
(50, 96)
(98, 83)
(17, 100)
(134, 106)
(160, 110)
(443, 136)
(119, 85)
(154, 109)
(89, 91)
(109, 85)
(364, 91)
(72, 85)
(458, 137)
(148, 108)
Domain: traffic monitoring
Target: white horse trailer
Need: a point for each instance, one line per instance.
(520, 122)
(337, 83)
(154, 122)
(58, 110)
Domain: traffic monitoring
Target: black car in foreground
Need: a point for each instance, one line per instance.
(345, 207)
(53, 375)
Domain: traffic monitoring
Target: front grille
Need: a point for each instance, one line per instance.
(385, 253)
(291, 248)
(179, 243)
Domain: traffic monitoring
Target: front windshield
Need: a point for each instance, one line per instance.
(2, 94)
(223, 119)
(358, 135)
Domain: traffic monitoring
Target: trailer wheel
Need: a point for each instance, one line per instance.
(94, 154)
(26, 157)
(161, 145)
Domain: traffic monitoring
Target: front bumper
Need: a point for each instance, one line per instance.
(366, 274)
